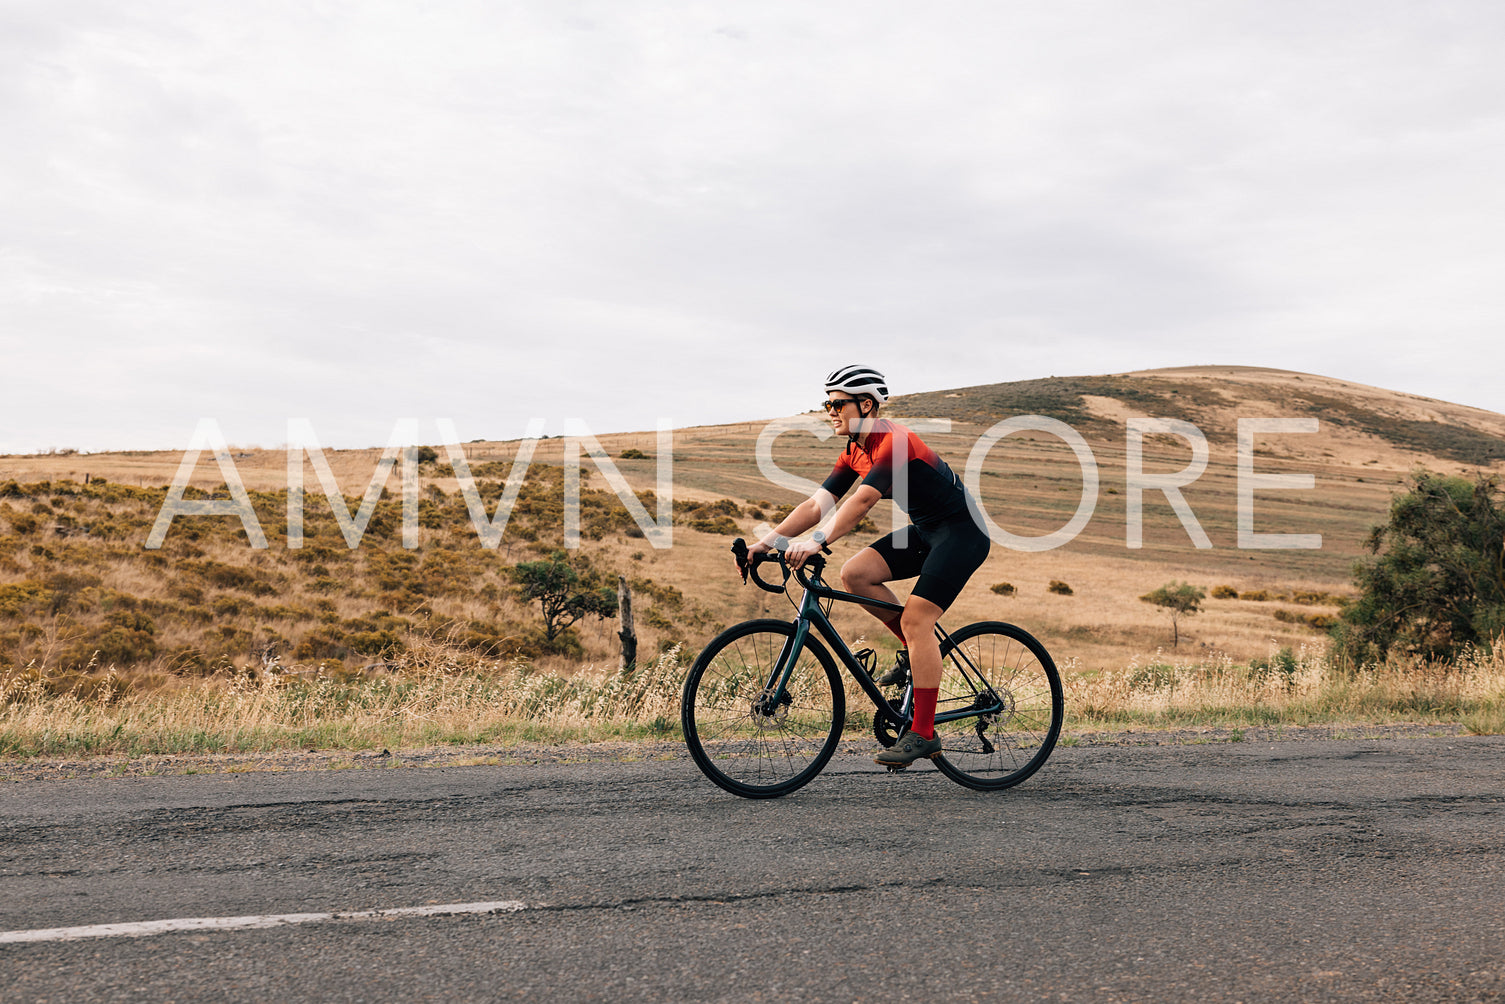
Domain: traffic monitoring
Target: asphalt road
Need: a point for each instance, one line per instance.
(1304, 871)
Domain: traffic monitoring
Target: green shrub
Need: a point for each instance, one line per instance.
(374, 642)
(17, 597)
(1224, 593)
(69, 589)
(188, 594)
(188, 661)
(132, 620)
(1003, 588)
(1059, 587)
(564, 592)
(1282, 667)
(232, 606)
(1155, 676)
(709, 517)
(1179, 599)
(721, 526)
(667, 595)
(565, 643)
(130, 639)
(87, 687)
(231, 577)
(323, 643)
(1319, 621)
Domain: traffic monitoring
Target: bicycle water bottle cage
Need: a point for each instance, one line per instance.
(868, 658)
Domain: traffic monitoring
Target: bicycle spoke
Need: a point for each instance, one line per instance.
(747, 738)
(1008, 678)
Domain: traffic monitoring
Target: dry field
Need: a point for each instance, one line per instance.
(86, 610)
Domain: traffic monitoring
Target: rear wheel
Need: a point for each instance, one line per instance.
(997, 666)
(742, 736)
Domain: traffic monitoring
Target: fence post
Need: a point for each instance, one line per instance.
(628, 636)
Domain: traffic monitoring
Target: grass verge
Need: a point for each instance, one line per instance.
(1293, 689)
(435, 703)
(430, 705)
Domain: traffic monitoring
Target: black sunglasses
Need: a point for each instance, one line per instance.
(835, 404)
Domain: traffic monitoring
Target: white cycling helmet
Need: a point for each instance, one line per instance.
(856, 380)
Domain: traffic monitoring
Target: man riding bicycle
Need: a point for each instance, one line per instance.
(943, 546)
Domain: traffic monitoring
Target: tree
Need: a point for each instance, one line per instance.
(1436, 585)
(1179, 598)
(565, 593)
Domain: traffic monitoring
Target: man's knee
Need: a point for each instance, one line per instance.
(861, 571)
(915, 622)
(853, 579)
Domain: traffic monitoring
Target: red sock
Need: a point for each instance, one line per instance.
(893, 626)
(924, 711)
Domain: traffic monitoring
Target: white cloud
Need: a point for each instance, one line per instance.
(360, 211)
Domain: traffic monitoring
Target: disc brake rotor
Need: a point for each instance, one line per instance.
(769, 713)
(1003, 709)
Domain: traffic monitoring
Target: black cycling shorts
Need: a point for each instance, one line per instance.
(944, 557)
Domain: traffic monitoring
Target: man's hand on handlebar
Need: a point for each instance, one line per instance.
(748, 554)
(798, 552)
(793, 558)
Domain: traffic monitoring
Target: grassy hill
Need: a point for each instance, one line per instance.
(80, 594)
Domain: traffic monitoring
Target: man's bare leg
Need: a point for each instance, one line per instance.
(867, 574)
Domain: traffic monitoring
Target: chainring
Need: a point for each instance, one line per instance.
(887, 728)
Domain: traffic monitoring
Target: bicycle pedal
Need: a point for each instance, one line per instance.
(894, 768)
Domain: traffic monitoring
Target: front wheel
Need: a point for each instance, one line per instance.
(744, 737)
(1002, 672)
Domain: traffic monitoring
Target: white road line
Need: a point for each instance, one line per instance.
(149, 927)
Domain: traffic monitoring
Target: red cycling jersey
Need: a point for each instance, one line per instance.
(899, 464)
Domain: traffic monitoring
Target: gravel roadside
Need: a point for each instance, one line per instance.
(105, 766)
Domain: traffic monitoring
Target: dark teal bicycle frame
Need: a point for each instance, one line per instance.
(987, 700)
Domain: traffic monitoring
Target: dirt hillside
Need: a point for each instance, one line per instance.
(1031, 484)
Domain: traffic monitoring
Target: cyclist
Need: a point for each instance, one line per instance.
(943, 546)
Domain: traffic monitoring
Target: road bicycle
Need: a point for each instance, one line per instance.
(764, 708)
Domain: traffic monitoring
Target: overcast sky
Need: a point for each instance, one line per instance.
(359, 211)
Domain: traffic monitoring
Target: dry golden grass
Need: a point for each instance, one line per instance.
(432, 701)
(1291, 688)
(432, 599)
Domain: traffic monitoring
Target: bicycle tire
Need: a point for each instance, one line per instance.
(998, 751)
(753, 754)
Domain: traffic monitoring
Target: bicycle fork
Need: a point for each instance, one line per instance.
(773, 702)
